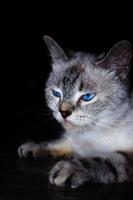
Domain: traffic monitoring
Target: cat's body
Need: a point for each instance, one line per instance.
(89, 97)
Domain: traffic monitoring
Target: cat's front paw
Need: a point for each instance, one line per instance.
(31, 148)
(67, 173)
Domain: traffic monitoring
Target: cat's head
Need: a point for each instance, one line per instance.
(84, 90)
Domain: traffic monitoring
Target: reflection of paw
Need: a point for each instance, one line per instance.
(36, 150)
(67, 172)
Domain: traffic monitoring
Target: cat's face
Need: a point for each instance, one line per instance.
(78, 96)
(81, 93)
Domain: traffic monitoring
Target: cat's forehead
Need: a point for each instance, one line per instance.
(71, 75)
(75, 78)
(70, 79)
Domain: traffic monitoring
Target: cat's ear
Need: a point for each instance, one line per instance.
(55, 50)
(118, 59)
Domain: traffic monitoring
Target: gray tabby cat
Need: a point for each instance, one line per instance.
(89, 97)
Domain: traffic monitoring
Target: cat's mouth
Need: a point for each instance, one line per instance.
(69, 125)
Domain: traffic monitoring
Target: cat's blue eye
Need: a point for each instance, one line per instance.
(88, 96)
(56, 93)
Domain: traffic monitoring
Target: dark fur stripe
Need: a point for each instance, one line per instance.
(108, 164)
(98, 160)
(81, 86)
(85, 163)
(70, 79)
(128, 165)
(123, 154)
(112, 169)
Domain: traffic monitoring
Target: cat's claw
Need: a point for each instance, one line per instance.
(28, 148)
(67, 173)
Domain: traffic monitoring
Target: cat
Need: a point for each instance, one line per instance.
(88, 95)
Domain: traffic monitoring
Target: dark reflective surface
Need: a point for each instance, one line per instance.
(28, 180)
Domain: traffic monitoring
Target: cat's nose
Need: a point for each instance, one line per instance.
(66, 109)
(65, 114)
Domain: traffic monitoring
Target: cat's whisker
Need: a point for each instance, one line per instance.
(49, 115)
(41, 108)
(44, 107)
(97, 130)
(85, 127)
(105, 125)
(102, 124)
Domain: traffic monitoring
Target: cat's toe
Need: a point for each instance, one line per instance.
(60, 178)
(28, 148)
(60, 173)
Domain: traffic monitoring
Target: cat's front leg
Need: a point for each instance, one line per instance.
(115, 167)
(59, 148)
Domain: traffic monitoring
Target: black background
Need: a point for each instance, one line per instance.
(25, 61)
